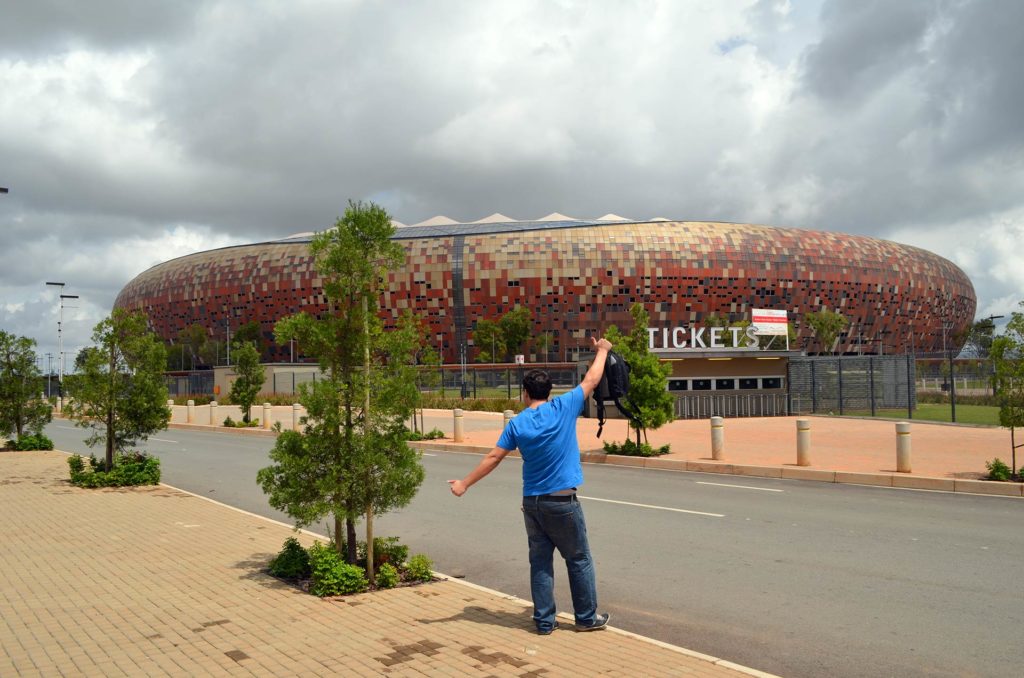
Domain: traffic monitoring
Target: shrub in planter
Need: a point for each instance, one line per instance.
(332, 576)
(385, 550)
(387, 576)
(997, 469)
(33, 441)
(292, 562)
(419, 568)
(631, 449)
(132, 468)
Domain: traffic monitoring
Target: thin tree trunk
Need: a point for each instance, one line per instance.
(109, 461)
(370, 575)
(350, 535)
(337, 535)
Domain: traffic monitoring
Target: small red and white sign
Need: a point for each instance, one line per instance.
(769, 323)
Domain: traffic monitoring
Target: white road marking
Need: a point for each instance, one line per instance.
(650, 506)
(427, 454)
(164, 440)
(742, 487)
(70, 428)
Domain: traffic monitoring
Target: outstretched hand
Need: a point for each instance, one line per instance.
(457, 487)
(601, 343)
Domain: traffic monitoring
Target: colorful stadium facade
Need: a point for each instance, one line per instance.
(580, 276)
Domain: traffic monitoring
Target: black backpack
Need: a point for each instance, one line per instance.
(614, 385)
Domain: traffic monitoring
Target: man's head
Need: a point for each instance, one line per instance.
(537, 384)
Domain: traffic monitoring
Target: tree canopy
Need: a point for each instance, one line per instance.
(120, 392)
(22, 408)
(826, 325)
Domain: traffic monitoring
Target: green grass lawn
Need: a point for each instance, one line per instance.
(965, 414)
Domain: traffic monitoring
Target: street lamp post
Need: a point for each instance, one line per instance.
(60, 337)
(992, 367)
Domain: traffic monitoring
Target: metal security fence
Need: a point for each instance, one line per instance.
(199, 382)
(286, 382)
(731, 405)
(851, 384)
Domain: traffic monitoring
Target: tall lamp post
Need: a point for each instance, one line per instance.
(60, 337)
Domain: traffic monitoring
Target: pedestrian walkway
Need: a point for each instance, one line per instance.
(158, 582)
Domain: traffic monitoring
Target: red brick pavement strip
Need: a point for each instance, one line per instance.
(158, 582)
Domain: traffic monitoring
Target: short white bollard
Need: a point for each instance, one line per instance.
(803, 442)
(190, 412)
(267, 407)
(903, 447)
(459, 433)
(296, 416)
(508, 416)
(213, 413)
(717, 437)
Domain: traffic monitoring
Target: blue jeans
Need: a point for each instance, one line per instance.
(554, 524)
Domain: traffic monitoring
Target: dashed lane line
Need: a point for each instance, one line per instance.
(741, 487)
(651, 506)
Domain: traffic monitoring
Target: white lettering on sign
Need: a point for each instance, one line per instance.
(701, 337)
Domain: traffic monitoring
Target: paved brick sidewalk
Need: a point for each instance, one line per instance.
(155, 581)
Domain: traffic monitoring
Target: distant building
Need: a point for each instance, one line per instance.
(582, 275)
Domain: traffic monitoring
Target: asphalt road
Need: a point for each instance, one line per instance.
(797, 578)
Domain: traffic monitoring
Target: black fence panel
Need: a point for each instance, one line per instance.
(851, 384)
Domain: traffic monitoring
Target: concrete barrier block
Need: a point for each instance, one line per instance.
(666, 464)
(621, 460)
(988, 487)
(798, 473)
(921, 483)
(593, 457)
(708, 467)
(882, 479)
(757, 471)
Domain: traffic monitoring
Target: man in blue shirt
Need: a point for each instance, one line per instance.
(545, 433)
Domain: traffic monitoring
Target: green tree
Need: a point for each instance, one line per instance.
(249, 382)
(194, 339)
(648, 377)
(351, 459)
(516, 326)
(250, 333)
(1007, 353)
(489, 338)
(120, 393)
(977, 338)
(22, 408)
(826, 326)
(543, 344)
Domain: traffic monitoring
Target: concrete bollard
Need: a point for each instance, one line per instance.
(213, 413)
(296, 416)
(717, 437)
(267, 407)
(190, 409)
(803, 442)
(508, 416)
(903, 447)
(459, 431)
(60, 404)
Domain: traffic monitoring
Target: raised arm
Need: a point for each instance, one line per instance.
(596, 371)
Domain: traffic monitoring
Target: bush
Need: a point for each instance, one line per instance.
(997, 470)
(387, 576)
(197, 399)
(32, 441)
(630, 449)
(292, 562)
(131, 468)
(332, 576)
(434, 434)
(231, 423)
(927, 397)
(385, 550)
(419, 568)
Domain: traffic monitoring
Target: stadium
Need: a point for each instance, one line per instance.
(579, 276)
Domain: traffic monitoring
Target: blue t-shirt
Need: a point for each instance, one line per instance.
(546, 438)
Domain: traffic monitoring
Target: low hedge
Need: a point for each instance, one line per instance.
(131, 468)
(31, 441)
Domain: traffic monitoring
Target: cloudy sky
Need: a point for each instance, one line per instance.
(134, 131)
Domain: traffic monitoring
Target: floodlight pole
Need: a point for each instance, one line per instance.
(60, 337)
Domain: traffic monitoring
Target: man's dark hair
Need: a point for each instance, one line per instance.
(537, 384)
